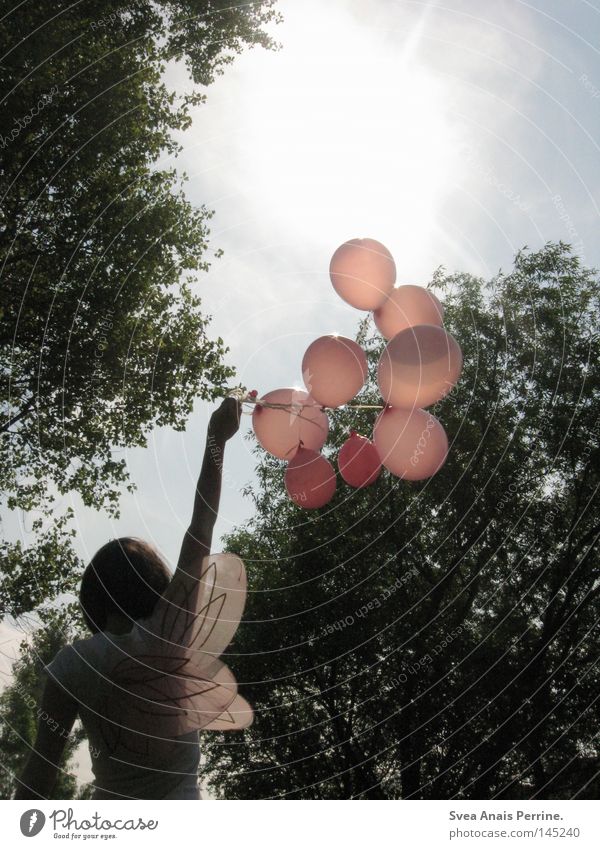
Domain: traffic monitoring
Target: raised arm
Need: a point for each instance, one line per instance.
(224, 423)
(193, 622)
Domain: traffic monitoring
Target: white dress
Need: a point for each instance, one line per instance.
(144, 695)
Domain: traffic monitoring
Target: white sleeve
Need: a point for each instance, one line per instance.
(64, 669)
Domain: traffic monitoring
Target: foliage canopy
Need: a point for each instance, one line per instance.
(439, 639)
(102, 334)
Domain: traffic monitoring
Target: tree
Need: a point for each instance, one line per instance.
(436, 639)
(102, 335)
(19, 704)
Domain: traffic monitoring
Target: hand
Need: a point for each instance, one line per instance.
(225, 421)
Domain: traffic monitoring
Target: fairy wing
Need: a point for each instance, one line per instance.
(237, 716)
(201, 615)
(171, 680)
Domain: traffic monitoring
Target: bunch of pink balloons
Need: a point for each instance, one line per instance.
(419, 366)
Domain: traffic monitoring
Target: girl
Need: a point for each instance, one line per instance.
(150, 676)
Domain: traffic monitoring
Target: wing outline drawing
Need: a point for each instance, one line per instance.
(171, 679)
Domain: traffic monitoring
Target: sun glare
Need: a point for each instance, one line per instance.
(348, 134)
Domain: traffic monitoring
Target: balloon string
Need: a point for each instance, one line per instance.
(251, 399)
(293, 408)
(365, 407)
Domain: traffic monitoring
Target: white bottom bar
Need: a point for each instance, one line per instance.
(310, 825)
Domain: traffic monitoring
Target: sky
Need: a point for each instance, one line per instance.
(454, 132)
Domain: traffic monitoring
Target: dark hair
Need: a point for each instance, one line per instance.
(126, 576)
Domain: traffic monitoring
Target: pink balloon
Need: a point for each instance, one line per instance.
(280, 431)
(358, 461)
(405, 307)
(363, 273)
(334, 369)
(412, 444)
(419, 366)
(310, 479)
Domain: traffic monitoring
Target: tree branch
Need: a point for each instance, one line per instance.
(26, 409)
